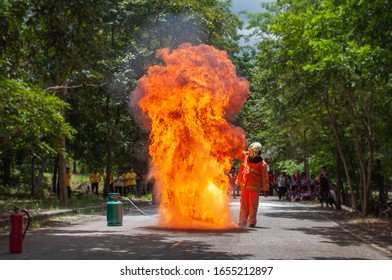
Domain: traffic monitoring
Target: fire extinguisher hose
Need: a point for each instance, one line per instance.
(130, 201)
(28, 221)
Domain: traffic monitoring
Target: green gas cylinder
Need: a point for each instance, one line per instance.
(114, 215)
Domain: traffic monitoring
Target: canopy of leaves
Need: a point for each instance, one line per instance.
(313, 53)
(30, 118)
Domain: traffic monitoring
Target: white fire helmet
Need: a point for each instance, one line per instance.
(254, 149)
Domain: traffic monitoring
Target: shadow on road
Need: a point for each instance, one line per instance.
(334, 234)
(106, 245)
(296, 212)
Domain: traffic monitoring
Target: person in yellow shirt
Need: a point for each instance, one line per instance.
(68, 181)
(95, 178)
(132, 182)
(118, 184)
(125, 183)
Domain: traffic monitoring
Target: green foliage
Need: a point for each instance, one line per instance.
(30, 118)
(90, 54)
(321, 79)
(142, 197)
(289, 166)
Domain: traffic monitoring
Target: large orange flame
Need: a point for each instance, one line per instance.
(187, 102)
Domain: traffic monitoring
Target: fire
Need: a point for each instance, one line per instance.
(187, 103)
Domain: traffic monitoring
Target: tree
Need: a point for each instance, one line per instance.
(56, 40)
(31, 123)
(319, 48)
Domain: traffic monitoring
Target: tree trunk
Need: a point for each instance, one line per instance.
(54, 177)
(7, 168)
(74, 168)
(32, 177)
(333, 123)
(109, 145)
(365, 166)
(338, 179)
(108, 172)
(62, 166)
(61, 159)
(370, 148)
(40, 175)
(306, 157)
(36, 180)
(379, 180)
(108, 166)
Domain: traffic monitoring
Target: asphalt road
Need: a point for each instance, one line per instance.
(285, 231)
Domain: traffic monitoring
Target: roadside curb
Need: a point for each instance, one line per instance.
(361, 236)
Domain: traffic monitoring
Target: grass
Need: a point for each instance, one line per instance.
(79, 179)
(142, 197)
(35, 224)
(359, 220)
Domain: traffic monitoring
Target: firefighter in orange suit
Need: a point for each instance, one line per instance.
(252, 177)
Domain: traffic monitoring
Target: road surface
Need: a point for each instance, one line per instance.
(285, 231)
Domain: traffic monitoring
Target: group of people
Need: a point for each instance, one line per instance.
(298, 188)
(126, 183)
(129, 182)
(297, 183)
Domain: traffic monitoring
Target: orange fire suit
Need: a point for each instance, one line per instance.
(252, 176)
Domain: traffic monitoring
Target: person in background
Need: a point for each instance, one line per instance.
(125, 183)
(324, 186)
(282, 189)
(118, 184)
(332, 197)
(271, 183)
(145, 184)
(312, 183)
(232, 185)
(139, 185)
(294, 183)
(288, 185)
(251, 177)
(297, 175)
(68, 181)
(95, 178)
(304, 183)
(132, 176)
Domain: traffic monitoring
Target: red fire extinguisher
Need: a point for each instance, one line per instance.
(17, 234)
